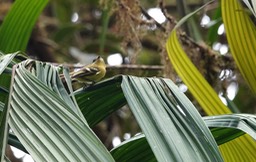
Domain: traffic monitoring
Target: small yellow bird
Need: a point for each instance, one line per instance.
(91, 73)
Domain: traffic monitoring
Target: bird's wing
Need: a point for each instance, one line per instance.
(85, 72)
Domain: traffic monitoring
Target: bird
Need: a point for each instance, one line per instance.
(90, 74)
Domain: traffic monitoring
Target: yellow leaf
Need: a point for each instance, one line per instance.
(240, 149)
(241, 35)
(195, 82)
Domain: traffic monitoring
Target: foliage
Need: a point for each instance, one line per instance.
(201, 89)
(18, 24)
(52, 123)
(39, 110)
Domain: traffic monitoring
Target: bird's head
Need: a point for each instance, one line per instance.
(99, 61)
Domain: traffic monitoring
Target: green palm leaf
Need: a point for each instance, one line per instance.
(6, 61)
(152, 106)
(223, 128)
(169, 121)
(100, 100)
(227, 127)
(128, 150)
(49, 128)
(18, 24)
(158, 101)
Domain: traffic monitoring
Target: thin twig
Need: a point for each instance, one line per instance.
(137, 67)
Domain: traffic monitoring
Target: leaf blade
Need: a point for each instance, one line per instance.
(47, 127)
(241, 36)
(165, 127)
(17, 26)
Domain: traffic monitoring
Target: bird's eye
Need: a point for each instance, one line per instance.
(96, 59)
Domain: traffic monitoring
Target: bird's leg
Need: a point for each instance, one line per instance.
(88, 84)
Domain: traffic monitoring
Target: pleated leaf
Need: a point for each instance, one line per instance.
(251, 4)
(223, 127)
(5, 60)
(242, 147)
(101, 100)
(128, 151)
(241, 35)
(238, 124)
(3, 131)
(16, 29)
(174, 129)
(197, 85)
(1, 106)
(45, 121)
(134, 149)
